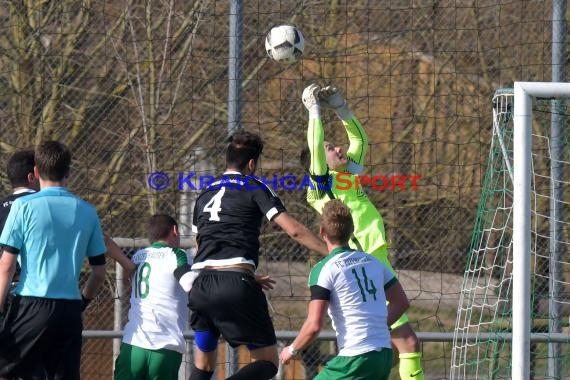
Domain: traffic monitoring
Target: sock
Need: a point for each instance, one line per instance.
(411, 366)
(259, 370)
(198, 374)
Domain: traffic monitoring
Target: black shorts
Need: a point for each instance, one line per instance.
(231, 303)
(41, 336)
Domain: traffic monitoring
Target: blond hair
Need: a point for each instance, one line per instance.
(337, 222)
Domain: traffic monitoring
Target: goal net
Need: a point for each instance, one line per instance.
(487, 329)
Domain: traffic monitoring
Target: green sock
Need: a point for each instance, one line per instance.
(411, 366)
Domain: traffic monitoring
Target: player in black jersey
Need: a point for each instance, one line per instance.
(225, 298)
(20, 171)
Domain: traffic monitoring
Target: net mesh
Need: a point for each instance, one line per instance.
(485, 306)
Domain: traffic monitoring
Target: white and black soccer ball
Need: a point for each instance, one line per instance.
(284, 43)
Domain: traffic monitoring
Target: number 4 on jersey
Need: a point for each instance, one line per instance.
(368, 284)
(214, 206)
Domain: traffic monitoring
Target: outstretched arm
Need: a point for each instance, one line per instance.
(358, 144)
(332, 97)
(316, 142)
(116, 253)
(315, 132)
(301, 234)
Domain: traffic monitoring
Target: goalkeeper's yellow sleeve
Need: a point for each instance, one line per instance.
(358, 141)
(316, 141)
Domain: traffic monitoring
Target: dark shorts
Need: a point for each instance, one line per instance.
(231, 303)
(39, 337)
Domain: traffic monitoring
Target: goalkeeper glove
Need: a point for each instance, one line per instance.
(331, 97)
(311, 101)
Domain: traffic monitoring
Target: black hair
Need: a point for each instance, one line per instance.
(19, 166)
(242, 147)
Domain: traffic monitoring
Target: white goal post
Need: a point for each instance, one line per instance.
(523, 94)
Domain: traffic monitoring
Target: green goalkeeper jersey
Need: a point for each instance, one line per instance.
(369, 235)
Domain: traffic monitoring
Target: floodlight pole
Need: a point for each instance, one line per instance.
(235, 68)
(235, 65)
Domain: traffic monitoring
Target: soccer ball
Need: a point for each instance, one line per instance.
(284, 43)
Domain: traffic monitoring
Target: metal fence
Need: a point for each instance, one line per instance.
(103, 333)
(136, 88)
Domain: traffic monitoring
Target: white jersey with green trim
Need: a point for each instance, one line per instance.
(357, 304)
(159, 314)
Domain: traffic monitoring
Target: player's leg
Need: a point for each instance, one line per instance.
(62, 346)
(249, 322)
(203, 359)
(265, 362)
(404, 338)
(26, 322)
(406, 342)
(164, 364)
(8, 344)
(205, 354)
(205, 333)
(131, 364)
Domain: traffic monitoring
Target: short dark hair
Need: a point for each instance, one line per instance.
(53, 160)
(19, 166)
(337, 222)
(242, 147)
(158, 227)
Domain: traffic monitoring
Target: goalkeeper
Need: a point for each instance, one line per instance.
(324, 161)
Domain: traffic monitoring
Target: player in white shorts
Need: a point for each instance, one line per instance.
(354, 286)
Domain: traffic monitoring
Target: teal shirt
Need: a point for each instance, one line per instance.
(53, 231)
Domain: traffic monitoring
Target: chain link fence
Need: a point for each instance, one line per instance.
(136, 88)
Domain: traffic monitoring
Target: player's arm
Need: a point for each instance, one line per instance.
(116, 253)
(271, 206)
(358, 145)
(315, 132)
(95, 253)
(95, 280)
(7, 270)
(310, 330)
(300, 233)
(398, 301)
(265, 281)
(332, 97)
(183, 272)
(316, 143)
(11, 240)
(320, 298)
